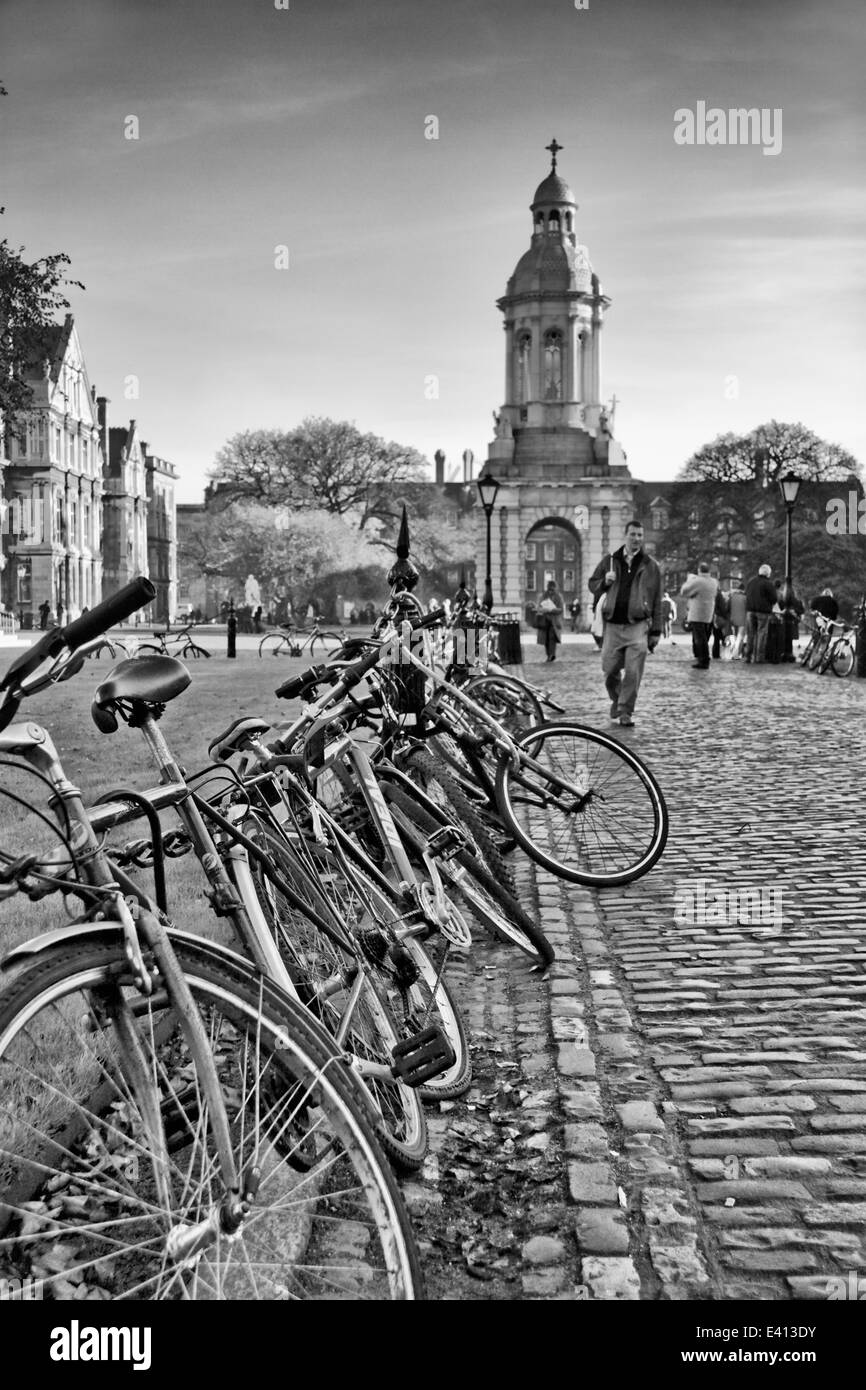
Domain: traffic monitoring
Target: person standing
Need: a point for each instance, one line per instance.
(721, 623)
(737, 618)
(44, 610)
(669, 615)
(628, 585)
(575, 613)
(700, 589)
(760, 602)
(550, 611)
(826, 605)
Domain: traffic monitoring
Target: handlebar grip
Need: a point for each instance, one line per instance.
(434, 619)
(112, 610)
(297, 684)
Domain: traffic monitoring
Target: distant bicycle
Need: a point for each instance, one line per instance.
(300, 641)
(177, 644)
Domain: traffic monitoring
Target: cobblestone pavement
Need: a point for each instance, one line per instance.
(679, 1111)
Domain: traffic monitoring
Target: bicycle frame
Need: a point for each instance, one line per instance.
(34, 745)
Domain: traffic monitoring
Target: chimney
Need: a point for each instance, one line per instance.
(439, 458)
(468, 461)
(102, 404)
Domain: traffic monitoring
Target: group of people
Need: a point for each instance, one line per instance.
(631, 612)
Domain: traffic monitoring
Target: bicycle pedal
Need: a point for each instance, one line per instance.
(421, 1057)
(449, 841)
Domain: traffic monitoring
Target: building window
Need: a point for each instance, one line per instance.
(659, 519)
(568, 581)
(553, 365)
(530, 580)
(530, 550)
(549, 577)
(760, 523)
(553, 222)
(568, 552)
(694, 521)
(524, 347)
(550, 550)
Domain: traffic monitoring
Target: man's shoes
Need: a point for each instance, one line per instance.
(626, 721)
(699, 666)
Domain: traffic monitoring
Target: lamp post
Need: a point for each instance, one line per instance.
(790, 487)
(488, 488)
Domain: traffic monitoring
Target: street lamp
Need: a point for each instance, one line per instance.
(790, 487)
(488, 488)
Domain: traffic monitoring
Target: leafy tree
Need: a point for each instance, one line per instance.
(326, 465)
(293, 554)
(767, 454)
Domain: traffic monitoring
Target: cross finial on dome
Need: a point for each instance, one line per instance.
(554, 151)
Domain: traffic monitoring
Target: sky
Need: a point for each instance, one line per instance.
(736, 278)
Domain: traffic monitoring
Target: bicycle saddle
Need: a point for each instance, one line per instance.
(149, 680)
(227, 743)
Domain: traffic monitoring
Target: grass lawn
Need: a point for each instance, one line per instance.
(220, 692)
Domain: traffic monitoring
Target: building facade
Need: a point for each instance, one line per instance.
(565, 487)
(53, 489)
(83, 508)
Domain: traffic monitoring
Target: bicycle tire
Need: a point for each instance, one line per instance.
(272, 642)
(492, 905)
(509, 700)
(326, 1220)
(842, 659)
(194, 650)
(323, 974)
(150, 649)
(819, 651)
(806, 654)
(444, 789)
(624, 774)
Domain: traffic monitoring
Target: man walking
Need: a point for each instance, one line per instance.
(760, 602)
(628, 586)
(700, 589)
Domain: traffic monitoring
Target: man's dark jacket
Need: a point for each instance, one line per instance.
(826, 605)
(760, 595)
(645, 599)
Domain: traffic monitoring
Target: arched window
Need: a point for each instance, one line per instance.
(568, 222)
(553, 222)
(553, 365)
(539, 221)
(524, 347)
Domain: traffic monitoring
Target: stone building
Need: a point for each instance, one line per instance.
(53, 488)
(160, 480)
(566, 489)
(124, 533)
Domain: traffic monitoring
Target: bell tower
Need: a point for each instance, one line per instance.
(565, 488)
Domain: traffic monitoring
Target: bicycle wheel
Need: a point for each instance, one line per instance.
(589, 810)
(272, 644)
(458, 808)
(194, 650)
(357, 1014)
(842, 658)
(806, 654)
(819, 651)
(150, 649)
(490, 903)
(328, 641)
(508, 699)
(105, 1180)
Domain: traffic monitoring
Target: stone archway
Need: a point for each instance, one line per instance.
(552, 549)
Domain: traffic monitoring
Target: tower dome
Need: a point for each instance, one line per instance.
(553, 189)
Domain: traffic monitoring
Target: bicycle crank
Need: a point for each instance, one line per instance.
(447, 918)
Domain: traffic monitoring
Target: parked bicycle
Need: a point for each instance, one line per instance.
(175, 1125)
(299, 641)
(179, 644)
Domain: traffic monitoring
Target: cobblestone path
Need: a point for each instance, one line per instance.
(679, 1111)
